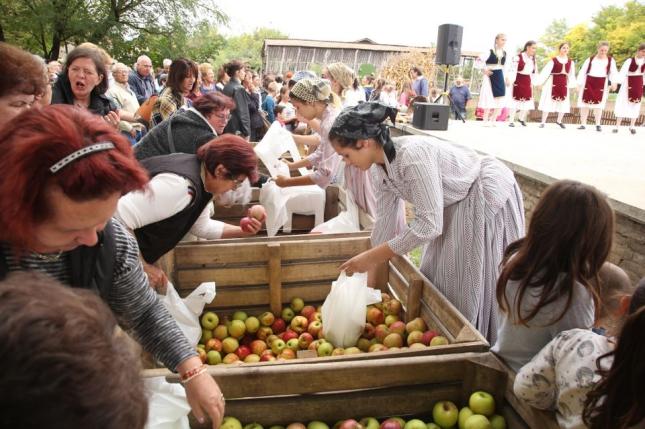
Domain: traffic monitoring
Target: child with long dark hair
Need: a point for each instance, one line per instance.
(549, 279)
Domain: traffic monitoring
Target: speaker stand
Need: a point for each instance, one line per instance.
(445, 94)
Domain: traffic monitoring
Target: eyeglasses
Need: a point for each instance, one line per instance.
(236, 182)
(222, 116)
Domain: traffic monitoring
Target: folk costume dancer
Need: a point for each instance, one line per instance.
(557, 76)
(593, 82)
(493, 90)
(522, 72)
(628, 102)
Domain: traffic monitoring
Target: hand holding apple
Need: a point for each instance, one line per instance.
(250, 225)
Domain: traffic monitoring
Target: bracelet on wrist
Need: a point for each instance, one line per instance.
(192, 373)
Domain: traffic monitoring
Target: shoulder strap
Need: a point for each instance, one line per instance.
(608, 64)
(590, 61)
(171, 141)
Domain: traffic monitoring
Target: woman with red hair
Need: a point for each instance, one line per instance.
(64, 172)
(177, 198)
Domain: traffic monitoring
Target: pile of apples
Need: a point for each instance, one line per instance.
(479, 414)
(266, 337)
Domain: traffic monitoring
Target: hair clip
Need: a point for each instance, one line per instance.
(97, 147)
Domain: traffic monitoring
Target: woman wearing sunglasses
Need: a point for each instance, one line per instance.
(176, 199)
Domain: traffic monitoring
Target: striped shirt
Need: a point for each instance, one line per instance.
(133, 302)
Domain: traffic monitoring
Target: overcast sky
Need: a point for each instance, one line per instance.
(408, 22)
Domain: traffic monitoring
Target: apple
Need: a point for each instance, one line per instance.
(381, 331)
(258, 346)
(368, 331)
(257, 211)
(230, 344)
(363, 344)
(220, 332)
(325, 349)
(399, 419)
(414, 423)
(267, 357)
(497, 422)
(242, 352)
(428, 336)
(338, 351)
(202, 354)
(209, 320)
(464, 413)
(417, 324)
(230, 423)
(297, 304)
(267, 352)
(393, 340)
(287, 354)
(206, 335)
(477, 421)
(296, 426)
(230, 358)
(213, 344)
(445, 414)
(397, 327)
(304, 340)
(299, 324)
(247, 339)
(252, 324)
(253, 426)
(352, 351)
(392, 307)
(287, 314)
(350, 424)
(385, 297)
(314, 344)
(264, 332)
(278, 326)
(433, 426)
(369, 423)
(288, 335)
(237, 328)
(377, 348)
(293, 344)
(240, 315)
(317, 425)
(417, 346)
(482, 403)
(314, 328)
(277, 427)
(277, 346)
(245, 224)
(414, 337)
(267, 318)
(390, 318)
(213, 357)
(439, 341)
(316, 315)
(375, 316)
(391, 424)
(307, 311)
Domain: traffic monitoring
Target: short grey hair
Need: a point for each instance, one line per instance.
(119, 66)
(167, 62)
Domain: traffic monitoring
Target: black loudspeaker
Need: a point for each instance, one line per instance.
(430, 116)
(449, 44)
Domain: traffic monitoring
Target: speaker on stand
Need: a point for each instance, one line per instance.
(448, 54)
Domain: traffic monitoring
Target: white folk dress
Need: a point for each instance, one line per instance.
(547, 103)
(624, 108)
(486, 98)
(467, 209)
(598, 69)
(512, 72)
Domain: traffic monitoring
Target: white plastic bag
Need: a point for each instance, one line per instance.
(344, 309)
(275, 204)
(167, 405)
(276, 142)
(186, 312)
(346, 221)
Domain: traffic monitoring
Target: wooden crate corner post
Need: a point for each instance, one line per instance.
(275, 277)
(413, 300)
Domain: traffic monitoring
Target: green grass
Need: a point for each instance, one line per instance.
(415, 256)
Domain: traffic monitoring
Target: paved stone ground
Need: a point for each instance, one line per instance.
(614, 163)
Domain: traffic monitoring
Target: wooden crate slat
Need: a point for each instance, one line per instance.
(337, 248)
(189, 255)
(189, 279)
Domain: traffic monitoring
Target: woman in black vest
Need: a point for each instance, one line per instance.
(64, 172)
(176, 198)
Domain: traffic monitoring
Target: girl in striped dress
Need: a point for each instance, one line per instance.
(468, 208)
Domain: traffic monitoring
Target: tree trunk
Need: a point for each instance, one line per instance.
(2, 39)
(55, 50)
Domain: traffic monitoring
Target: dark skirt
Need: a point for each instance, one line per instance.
(497, 83)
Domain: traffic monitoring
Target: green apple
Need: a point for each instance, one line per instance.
(277, 346)
(207, 334)
(293, 344)
(287, 314)
(230, 423)
(477, 421)
(368, 422)
(415, 424)
(325, 349)
(237, 329)
(464, 413)
(240, 315)
(253, 426)
(213, 357)
(445, 414)
(230, 344)
(439, 340)
(220, 332)
(252, 324)
(314, 424)
(277, 427)
(497, 422)
(482, 403)
(432, 426)
(209, 320)
(297, 304)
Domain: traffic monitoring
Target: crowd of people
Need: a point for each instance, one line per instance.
(84, 206)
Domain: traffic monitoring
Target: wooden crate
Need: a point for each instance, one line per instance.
(255, 275)
(406, 387)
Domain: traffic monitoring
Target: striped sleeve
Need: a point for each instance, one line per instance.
(137, 307)
(387, 208)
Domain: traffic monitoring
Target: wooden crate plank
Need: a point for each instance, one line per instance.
(240, 296)
(339, 248)
(223, 253)
(413, 299)
(275, 278)
(188, 279)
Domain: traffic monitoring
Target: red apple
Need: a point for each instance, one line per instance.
(307, 311)
(264, 332)
(230, 358)
(380, 332)
(213, 344)
(391, 424)
(368, 331)
(375, 316)
(350, 424)
(288, 335)
(428, 336)
(279, 326)
(245, 224)
(267, 358)
(296, 426)
(299, 324)
(316, 315)
(258, 346)
(397, 327)
(202, 354)
(314, 328)
(267, 318)
(242, 352)
(258, 212)
(287, 354)
(304, 340)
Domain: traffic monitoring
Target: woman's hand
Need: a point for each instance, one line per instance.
(204, 395)
(252, 227)
(282, 181)
(112, 118)
(156, 277)
(288, 164)
(369, 259)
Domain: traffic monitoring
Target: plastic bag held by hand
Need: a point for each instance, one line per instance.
(186, 311)
(275, 203)
(167, 405)
(344, 309)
